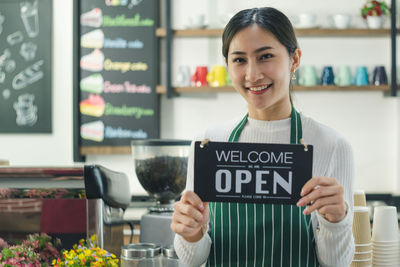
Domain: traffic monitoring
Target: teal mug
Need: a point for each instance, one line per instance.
(344, 77)
(308, 76)
(361, 77)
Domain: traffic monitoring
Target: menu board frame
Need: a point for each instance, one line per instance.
(147, 127)
(26, 66)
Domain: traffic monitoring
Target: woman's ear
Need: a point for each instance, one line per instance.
(296, 60)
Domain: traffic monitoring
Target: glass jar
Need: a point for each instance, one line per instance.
(141, 255)
(170, 259)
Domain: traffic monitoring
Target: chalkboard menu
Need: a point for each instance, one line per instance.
(25, 66)
(118, 71)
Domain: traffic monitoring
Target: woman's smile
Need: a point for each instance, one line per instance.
(259, 89)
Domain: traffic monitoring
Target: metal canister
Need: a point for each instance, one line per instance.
(170, 259)
(141, 255)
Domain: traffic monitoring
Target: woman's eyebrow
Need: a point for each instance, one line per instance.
(258, 50)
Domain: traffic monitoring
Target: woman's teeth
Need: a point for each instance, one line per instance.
(259, 88)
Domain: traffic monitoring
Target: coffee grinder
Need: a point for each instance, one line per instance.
(161, 167)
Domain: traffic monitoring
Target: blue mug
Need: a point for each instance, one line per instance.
(379, 77)
(327, 77)
(361, 77)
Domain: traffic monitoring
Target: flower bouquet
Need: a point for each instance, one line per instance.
(86, 254)
(36, 251)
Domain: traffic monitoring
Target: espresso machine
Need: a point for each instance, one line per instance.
(105, 194)
(161, 168)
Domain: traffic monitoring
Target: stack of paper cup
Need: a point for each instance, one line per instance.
(359, 198)
(362, 238)
(385, 237)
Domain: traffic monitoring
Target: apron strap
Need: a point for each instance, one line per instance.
(296, 131)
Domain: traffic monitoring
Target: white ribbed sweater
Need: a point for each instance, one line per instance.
(333, 157)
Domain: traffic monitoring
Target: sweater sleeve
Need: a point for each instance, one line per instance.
(192, 253)
(334, 241)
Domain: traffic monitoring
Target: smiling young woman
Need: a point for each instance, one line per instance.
(261, 53)
(260, 68)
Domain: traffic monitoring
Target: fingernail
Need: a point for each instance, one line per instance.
(201, 206)
(299, 203)
(305, 212)
(302, 193)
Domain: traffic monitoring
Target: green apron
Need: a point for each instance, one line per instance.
(261, 234)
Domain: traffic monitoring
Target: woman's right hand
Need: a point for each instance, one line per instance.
(189, 217)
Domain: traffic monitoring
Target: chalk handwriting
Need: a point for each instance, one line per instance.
(124, 110)
(119, 132)
(124, 66)
(126, 87)
(122, 21)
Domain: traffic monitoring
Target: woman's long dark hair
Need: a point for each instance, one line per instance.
(269, 19)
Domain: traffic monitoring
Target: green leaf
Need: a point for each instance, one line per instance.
(6, 253)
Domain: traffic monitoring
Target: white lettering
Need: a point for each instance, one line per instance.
(225, 156)
(235, 156)
(288, 157)
(255, 160)
(264, 161)
(277, 160)
(260, 182)
(240, 180)
(282, 182)
(218, 181)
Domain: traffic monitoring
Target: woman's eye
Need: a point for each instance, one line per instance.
(267, 56)
(238, 60)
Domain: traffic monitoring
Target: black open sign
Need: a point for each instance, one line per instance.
(251, 172)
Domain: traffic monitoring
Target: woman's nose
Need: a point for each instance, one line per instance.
(253, 72)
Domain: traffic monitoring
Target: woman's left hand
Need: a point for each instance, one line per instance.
(325, 195)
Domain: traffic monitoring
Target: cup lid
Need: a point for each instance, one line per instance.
(140, 250)
(169, 252)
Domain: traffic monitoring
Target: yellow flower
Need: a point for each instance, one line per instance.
(87, 252)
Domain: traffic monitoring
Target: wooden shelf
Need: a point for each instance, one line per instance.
(319, 32)
(207, 89)
(105, 150)
(322, 32)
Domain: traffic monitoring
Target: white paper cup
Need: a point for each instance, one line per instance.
(385, 224)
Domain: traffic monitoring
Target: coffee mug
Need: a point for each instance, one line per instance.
(341, 21)
(197, 21)
(217, 76)
(309, 76)
(361, 77)
(183, 76)
(199, 78)
(327, 77)
(379, 76)
(307, 20)
(343, 77)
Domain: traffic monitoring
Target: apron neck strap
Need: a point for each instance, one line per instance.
(295, 128)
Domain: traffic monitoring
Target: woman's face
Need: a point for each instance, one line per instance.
(260, 68)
